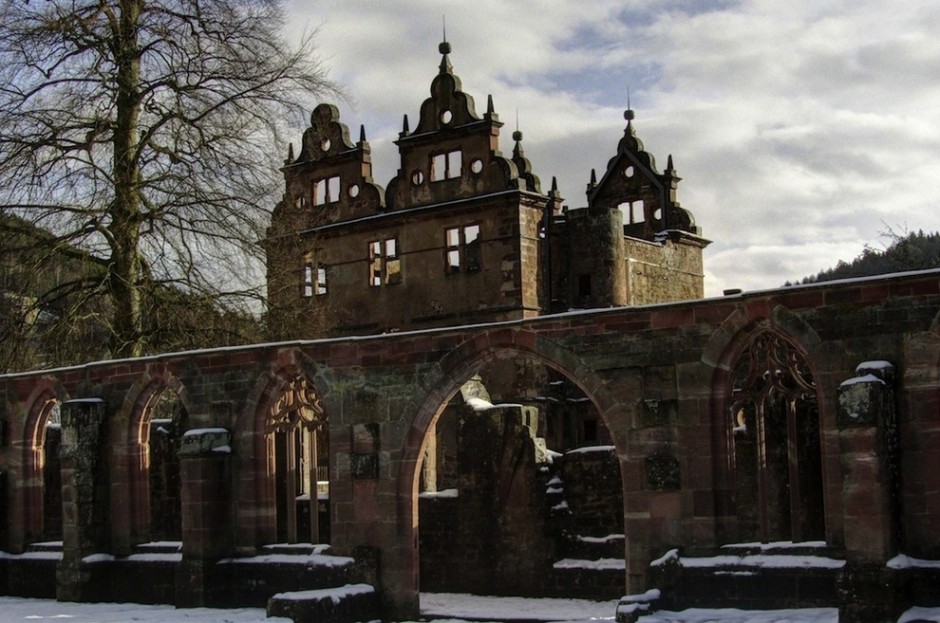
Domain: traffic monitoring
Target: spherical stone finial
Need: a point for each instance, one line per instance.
(628, 114)
(517, 135)
(444, 47)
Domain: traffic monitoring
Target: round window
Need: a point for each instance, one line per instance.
(628, 171)
(417, 178)
(476, 165)
(447, 117)
(353, 190)
(325, 144)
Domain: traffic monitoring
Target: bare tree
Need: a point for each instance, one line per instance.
(143, 133)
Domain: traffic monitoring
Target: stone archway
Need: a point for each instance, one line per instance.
(282, 419)
(42, 482)
(462, 363)
(156, 404)
(776, 457)
(297, 427)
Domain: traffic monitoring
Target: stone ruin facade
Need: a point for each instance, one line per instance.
(464, 234)
(763, 449)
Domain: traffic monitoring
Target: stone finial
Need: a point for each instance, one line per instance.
(445, 49)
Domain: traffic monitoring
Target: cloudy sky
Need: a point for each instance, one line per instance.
(803, 130)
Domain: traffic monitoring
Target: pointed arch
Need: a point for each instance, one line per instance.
(772, 426)
(440, 386)
(27, 495)
(286, 400)
(130, 459)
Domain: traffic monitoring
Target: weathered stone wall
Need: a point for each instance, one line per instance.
(670, 270)
(593, 490)
(659, 377)
(491, 536)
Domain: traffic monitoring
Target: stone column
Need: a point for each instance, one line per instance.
(84, 494)
(867, 421)
(207, 526)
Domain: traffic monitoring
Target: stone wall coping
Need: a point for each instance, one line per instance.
(516, 323)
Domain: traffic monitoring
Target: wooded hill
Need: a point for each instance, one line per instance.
(913, 251)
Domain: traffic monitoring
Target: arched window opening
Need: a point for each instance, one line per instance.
(168, 422)
(301, 462)
(52, 474)
(774, 420)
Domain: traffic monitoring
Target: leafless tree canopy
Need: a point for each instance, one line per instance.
(144, 133)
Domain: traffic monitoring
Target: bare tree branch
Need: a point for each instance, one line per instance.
(142, 133)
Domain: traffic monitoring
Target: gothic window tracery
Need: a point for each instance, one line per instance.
(298, 423)
(773, 417)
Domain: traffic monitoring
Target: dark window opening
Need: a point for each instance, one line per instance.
(584, 285)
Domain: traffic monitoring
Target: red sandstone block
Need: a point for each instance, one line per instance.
(864, 498)
(665, 504)
(713, 314)
(930, 285)
(874, 293)
(866, 537)
(859, 441)
(524, 339)
(667, 318)
(757, 308)
(804, 299)
(841, 296)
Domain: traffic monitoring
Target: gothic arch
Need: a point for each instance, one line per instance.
(453, 370)
(293, 374)
(27, 492)
(130, 457)
(798, 497)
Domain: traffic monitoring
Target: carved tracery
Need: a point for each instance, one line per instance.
(298, 424)
(298, 407)
(771, 366)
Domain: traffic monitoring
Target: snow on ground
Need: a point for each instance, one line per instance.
(439, 607)
(460, 606)
(18, 609)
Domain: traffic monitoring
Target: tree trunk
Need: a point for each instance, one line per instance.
(125, 211)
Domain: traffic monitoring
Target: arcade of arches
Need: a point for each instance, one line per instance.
(803, 414)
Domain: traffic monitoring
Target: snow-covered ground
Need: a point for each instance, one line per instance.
(435, 606)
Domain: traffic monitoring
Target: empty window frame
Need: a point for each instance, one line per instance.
(384, 262)
(446, 165)
(633, 212)
(326, 190)
(314, 278)
(462, 253)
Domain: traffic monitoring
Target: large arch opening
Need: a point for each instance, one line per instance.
(37, 492)
(520, 490)
(145, 465)
(774, 437)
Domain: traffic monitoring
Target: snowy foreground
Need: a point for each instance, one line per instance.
(435, 607)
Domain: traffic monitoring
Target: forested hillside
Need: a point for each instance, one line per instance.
(913, 251)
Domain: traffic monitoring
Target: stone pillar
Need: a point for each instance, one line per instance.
(207, 526)
(84, 494)
(867, 421)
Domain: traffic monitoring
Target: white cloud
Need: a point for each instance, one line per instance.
(801, 130)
